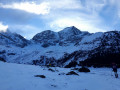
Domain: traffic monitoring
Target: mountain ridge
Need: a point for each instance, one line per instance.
(49, 47)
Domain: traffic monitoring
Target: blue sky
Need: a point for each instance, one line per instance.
(28, 17)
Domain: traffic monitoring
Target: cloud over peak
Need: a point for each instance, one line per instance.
(35, 16)
(3, 27)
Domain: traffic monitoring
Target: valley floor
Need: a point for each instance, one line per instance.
(21, 77)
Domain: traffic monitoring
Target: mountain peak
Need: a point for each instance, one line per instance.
(73, 27)
(10, 38)
(47, 31)
(70, 31)
(46, 36)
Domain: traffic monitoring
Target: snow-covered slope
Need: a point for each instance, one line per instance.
(34, 52)
(21, 77)
(61, 47)
(8, 38)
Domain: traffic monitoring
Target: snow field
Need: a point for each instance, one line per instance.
(21, 77)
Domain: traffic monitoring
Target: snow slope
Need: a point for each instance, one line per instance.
(34, 51)
(21, 77)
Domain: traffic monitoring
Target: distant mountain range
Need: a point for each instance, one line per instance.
(64, 48)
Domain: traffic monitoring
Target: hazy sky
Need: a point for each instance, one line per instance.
(28, 17)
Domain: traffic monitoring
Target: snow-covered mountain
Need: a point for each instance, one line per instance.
(8, 38)
(58, 48)
(63, 38)
(72, 34)
(46, 37)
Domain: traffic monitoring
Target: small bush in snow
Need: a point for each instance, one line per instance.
(42, 76)
(2, 52)
(71, 64)
(54, 85)
(72, 73)
(51, 70)
(2, 59)
(84, 69)
(45, 45)
(11, 54)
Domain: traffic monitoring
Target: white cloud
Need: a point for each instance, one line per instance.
(84, 25)
(42, 8)
(88, 15)
(3, 27)
(94, 6)
(27, 31)
(65, 4)
(114, 4)
(85, 17)
(92, 16)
